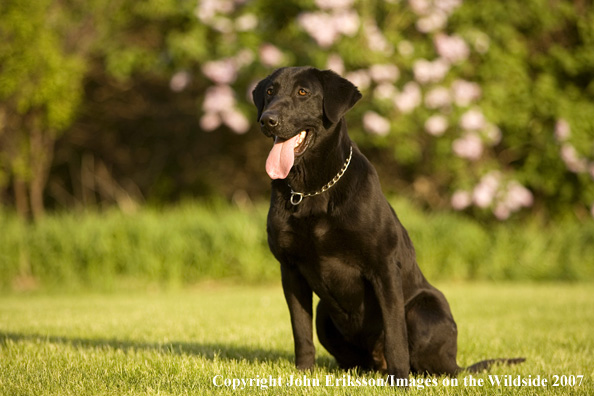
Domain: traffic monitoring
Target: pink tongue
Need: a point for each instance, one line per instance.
(281, 158)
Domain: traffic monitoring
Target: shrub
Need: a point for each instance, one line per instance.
(194, 242)
(484, 106)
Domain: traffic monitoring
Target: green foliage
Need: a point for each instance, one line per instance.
(183, 245)
(536, 79)
(40, 89)
(178, 247)
(490, 90)
(450, 246)
(37, 74)
(481, 107)
(176, 343)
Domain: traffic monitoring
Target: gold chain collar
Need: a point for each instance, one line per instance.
(297, 197)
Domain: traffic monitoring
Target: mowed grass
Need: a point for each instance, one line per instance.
(176, 342)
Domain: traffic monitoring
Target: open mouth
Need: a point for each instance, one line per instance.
(282, 155)
(302, 142)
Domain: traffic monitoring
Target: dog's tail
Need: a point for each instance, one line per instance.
(486, 364)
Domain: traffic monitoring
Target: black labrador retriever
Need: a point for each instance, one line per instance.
(335, 234)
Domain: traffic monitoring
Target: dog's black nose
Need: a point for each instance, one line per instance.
(270, 120)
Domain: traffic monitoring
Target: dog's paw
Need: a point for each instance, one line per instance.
(304, 364)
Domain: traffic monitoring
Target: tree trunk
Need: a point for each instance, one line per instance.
(21, 201)
(41, 155)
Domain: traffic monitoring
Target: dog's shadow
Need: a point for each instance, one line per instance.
(210, 351)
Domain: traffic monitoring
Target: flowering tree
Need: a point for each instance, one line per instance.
(481, 115)
(484, 107)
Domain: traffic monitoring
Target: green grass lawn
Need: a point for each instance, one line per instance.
(177, 342)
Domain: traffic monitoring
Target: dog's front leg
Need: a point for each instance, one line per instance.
(299, 299)
(388, 290)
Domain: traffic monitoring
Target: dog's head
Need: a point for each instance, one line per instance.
(296, 106)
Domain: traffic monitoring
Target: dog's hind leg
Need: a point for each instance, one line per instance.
(347, 355)
(432, 334)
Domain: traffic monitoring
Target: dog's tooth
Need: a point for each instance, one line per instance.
(301, 138)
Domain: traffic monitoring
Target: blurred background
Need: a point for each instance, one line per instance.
(130, 152)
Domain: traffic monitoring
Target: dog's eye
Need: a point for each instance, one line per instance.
(302, 92)
(269, 91)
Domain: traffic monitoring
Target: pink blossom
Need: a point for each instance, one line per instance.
(320, 27)
(425, 7)
(218, 99)
(376, 124)
(473, 120)
(447, 6)
(179, 81)
(433, 14)
(326, 28)
(210, 121)
(430, 72)
(385, 91)
(235, 120)
(206, 10)
(562, 130)
(484, 193)
(465, 92)
(461, 200)
(409, 99)
(334, 4)
(592, 170)
(405, 48)
(432, 22)
(244, 57)
(335, 63)
(501, 211)
(420, 7)
(360, 78)
(515, 197)
(570, 156)
(518, 196)
(469, 146)
(493, 134)
(219, 107)
(375, 39)
(452, 48)
(270, 55)
(384, 73)
(492, 179)
(438, 97)
(246, 22)
(222, 24)
(346, 22)
(436, 125)
(221, 72)
(592, 210)
(483, 196)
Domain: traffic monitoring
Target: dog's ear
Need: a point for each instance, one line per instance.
(259, 94)
(340, 95)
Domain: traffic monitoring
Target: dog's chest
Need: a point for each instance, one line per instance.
(311, 239)
(326, 256)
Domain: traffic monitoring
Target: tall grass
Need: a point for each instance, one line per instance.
(451, 246)
(195, 241)
(171, 247)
